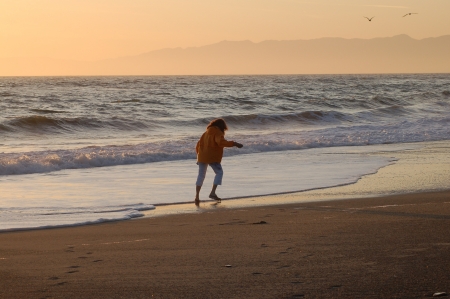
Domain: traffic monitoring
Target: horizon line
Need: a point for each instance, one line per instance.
(215, 43)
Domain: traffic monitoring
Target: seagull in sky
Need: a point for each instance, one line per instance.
(370, 20)
(410, 13)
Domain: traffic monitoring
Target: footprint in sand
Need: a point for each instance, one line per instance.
(61, 283)
(53, 278)
(260, 222)
(74, 271)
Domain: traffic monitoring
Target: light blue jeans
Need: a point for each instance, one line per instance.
(202, 167)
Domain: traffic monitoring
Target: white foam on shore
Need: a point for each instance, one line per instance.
(77, 197)
(50, 217)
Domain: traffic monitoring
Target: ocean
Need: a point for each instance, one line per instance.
(79, 150)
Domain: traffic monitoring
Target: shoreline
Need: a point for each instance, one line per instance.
(416, 167)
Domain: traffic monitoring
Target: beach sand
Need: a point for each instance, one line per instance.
(388, 247)
(363, 246)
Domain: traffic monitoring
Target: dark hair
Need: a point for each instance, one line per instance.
(220, 123)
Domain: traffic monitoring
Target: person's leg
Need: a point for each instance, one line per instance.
(197, 193)
(217, 179)
(202, 167)
(213, 190)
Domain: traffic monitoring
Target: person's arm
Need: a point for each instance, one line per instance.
(222, 142)
(237, 144)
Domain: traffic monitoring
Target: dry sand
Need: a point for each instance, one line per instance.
(389, 247)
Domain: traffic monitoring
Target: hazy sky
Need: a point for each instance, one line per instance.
(97, 29)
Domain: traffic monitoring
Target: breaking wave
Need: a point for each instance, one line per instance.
(306, 117)
(45, 124)
(184, 148)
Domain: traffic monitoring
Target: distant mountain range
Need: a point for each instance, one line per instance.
(398, 54)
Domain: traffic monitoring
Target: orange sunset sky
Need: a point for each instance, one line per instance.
(91, 30)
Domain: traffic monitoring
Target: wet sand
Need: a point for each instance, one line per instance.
(386, 247)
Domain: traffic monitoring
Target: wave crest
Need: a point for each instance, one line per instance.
(41, 123)
(305, 117)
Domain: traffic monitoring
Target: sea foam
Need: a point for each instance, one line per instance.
(26, 218)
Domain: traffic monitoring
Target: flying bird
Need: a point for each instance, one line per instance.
(370, 20)
(410, 13)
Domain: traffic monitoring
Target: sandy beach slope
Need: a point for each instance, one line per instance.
(388, 247)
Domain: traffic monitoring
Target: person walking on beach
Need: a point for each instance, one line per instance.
(210, 152)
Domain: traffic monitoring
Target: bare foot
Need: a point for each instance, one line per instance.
(215, 197)
(197, 202)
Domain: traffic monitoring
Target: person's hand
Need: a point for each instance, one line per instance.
(238, 145)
